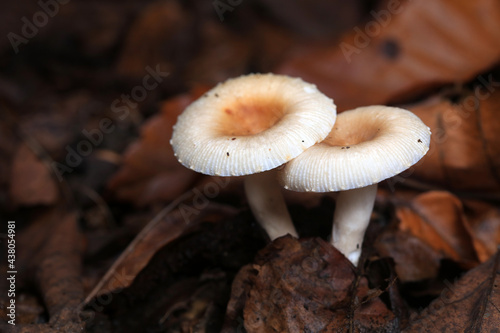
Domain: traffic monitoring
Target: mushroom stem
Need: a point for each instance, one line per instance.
(268, 206)
(351, 218)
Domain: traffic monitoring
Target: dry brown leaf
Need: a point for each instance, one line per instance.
(472, 304)
(157, 37)
(464, 153)
(186, 212)
(437, 225)
(315, 19)
(151, 172)
(54, 126)
(414, 259)
(59, 269)
(272, 44)
(55, 268)
(223, 54)
(192, 50)
(483, 221)
(167, 294)
(438, 219)
(31, 180)
(405, 48)
(304, 286)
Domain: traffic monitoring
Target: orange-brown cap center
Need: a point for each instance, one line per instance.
(353, 131)
(243, 117)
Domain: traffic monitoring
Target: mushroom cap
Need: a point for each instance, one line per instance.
(251, 124)
(366, 145)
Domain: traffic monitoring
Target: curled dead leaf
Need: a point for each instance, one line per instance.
(438, 219)
(151, 172)
(405, 48)
(437, 225)
(304, 286)
(483, 220)
(464, 154)
(472, 304)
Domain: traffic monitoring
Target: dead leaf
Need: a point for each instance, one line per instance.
(404, 49)
(223, 54)
(240, 288)
(483, 221)
(55, 126)
(271, 45)
(472, 304)
(56, 270)
(464, 154)
(173, 221)
(215, 243)
(157, 37)
(414, 259)
(315, 19)
(437, 225)
(304, 286)
(91, 30)
(438, 219)
(31, 180)
(59, 269)
(150, 172)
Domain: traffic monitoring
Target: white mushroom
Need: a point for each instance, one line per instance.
(366, 146)
(250, 125)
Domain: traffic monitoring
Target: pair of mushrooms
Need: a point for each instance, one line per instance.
(249, 126)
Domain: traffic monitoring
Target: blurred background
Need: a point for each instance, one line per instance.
(89, 92)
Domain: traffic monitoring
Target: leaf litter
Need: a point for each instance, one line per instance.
(430, 257)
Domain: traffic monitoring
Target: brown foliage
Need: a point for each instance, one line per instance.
(150, 172)
(56, 270)
(176, 275)
(403, 50)
(305, 286)
(31, 180)
(437, 225)
(464, 154)
(468, 305)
